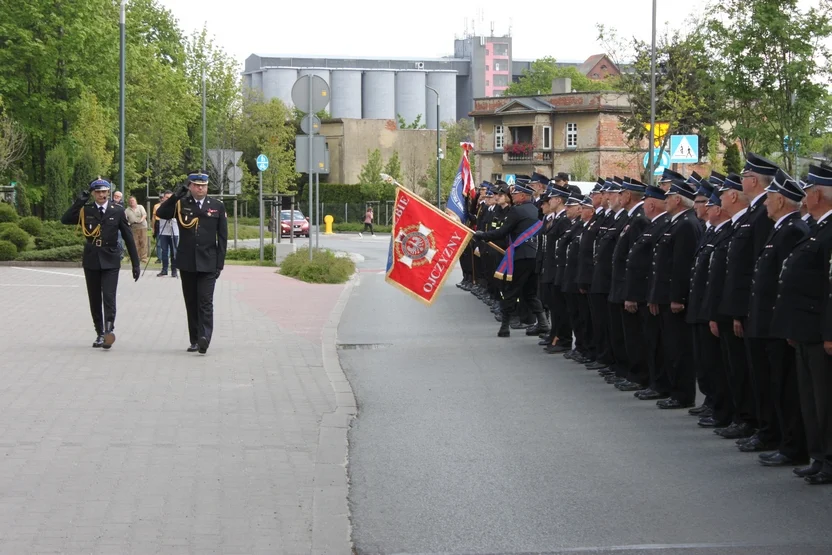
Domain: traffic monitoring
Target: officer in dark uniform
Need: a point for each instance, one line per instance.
(586, 265)
(203, 239)
(523, 284)
(546, 262)
(799, 317)
(100, 223)
(780, 418)
(569, 244)
(670, 278)
(639, 265)
(502, 206)
(630, 333)
(555, 224)
(562, 180)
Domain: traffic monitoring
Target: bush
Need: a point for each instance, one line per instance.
(7, 213)
(17, 236)
(72, 253)
(324, 267)
(31, 225)
(250, 253)
(7, 250)
(55, 235)
(7, 225)
(340, 228)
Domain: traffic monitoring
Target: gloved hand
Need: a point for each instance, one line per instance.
(137, 271)
(217, 275)
(84, 196)
(181, 191)
(479, 234)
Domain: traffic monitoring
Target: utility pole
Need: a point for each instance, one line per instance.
(122, 46)
(652, 145)
(438, 152)
(204, 127)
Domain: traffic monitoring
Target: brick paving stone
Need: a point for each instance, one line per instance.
(147, 448)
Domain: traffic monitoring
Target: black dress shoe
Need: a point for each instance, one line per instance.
(99, 341)
(193, 348)
(707, 413)
(629, 386)
(738, 431)
(769, 455)
(673, 404)
(756, 444)
(810, 470)
(779, 460)
(641, 392)
(109, 336)
(710, 422)
(819, 479)
(202, 342)
(554, 349)
(653, 396)
(597, 366)
(696, 411)
(543, 342)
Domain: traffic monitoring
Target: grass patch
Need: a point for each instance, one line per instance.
(356, 227)
(324, 267)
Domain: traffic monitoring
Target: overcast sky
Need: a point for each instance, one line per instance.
(565, 29)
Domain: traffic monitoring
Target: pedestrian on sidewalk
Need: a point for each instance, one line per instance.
(137, 218)
(100, 222)
(368, 221)
(200, 256)
(167, 240)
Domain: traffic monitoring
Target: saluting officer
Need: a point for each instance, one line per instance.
(203, 240)
(100, 223)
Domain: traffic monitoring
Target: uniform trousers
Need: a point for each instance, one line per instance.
(637, 369)
(814, 374)
(618, 342)
(713, 367)
(736, 368)
(599, 306)
(785, 395)
(575, 323)
(761, 374)
(198, 290)
(585, 318)
(523, 286)
(655, 356)
(701, 368)
(465, 262)
(678, 355)
(101, 291)
(561, 325)
(547, 290)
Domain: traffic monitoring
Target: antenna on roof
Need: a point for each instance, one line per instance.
(509, 26)
(492, 28)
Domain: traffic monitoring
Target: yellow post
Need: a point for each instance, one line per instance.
(328, 221)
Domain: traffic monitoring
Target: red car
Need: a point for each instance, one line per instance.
(300, 223)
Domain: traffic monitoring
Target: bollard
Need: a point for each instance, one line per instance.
(328, 221)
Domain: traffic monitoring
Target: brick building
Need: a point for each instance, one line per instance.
(577, 133)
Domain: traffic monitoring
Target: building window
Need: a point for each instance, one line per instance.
(500, 49)
(547, 137)
(496, 177)
(497, 66)
(499, 137)
(522, 134)
(486, 67)
(571, 135)
(487, 83)
(501, 80)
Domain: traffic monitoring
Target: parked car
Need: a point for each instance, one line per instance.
(301, 224)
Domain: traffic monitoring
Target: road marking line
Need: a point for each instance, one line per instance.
(47, 272)
(656, 547)
(33, 285)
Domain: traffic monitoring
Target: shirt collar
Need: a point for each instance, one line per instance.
(824, 216)
(758, 197)
(676, 216)
(599, 210)
(657, 217)
(805, 217)
(717, 228)
(738, 215)
(633, 209)
(779, 222)
(560, 212)
(620, 210)
(104, 206)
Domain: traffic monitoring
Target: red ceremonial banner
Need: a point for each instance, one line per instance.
(424, 246)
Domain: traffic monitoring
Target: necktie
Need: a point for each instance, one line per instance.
(101, 211)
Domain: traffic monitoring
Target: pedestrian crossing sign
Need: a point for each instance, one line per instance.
(684, 149)
(510, 179)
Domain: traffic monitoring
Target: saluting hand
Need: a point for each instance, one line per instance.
(136, 273)
(84, 196)
(181, 191)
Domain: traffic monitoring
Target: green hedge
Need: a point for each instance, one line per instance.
(72, 253)
(7, 250)
(55, 235)
(354, 227)
(17, 236)
(31, 225)
(7, 213)
(250, 253)
(324, 267)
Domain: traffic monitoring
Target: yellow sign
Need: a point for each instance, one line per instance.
(661, 131)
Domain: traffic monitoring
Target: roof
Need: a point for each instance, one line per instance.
(590, 63)
(532, 104)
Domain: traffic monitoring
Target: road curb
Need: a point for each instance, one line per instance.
(331, 528)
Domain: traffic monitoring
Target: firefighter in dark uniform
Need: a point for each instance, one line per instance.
(586, 265)
(783, 413)
(569, 280)
(523, 284)
(630, 333)
(203, 240)
(560, 336)
(639, 265)
(802, 297)
(100, 223)
(669, 288)
(502, 204)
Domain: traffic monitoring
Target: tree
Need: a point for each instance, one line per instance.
(12, 142)
(580, 167)
(92, 133)
(267, 128)
(538, 79)
(415, 124)
(58, 192)
(86, 169)
(393, 167)
(773, 63)
(687, 96)
(369, 179)
(733, 164)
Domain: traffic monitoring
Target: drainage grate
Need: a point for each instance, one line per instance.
(361, 346)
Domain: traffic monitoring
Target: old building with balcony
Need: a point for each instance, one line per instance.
(577, 133)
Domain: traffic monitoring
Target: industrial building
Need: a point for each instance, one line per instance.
(384, 88)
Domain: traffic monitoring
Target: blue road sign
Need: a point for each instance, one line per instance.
(684, 149)
(510, 179)
(262, 162)
(660, 159)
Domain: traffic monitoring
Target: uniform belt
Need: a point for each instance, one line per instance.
(100, 243)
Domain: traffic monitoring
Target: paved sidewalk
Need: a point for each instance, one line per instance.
(149, 449)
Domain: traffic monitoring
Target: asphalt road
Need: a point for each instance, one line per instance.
(466, 443)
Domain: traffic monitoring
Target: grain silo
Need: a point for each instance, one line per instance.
(345, 101)
(445, 83)
(378, 92)
(278, 82)
(410, 95)
(257, 81)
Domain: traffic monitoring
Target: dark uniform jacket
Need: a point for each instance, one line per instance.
(102, 252)
(586, 251)
(561, 244)
(202, 246)
(699, 274)
(636, 224)
(498, 217)
(673, 258)
(804, 287)
(639, 261)
(520, 218)
(604, 248)
(811, 222)
(749, 237)
(715, 286)
(568, 263)
(781, 242)
(552, 230)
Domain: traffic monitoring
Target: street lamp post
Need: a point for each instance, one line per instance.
(438, 151)
(652, 145)
(121, 101)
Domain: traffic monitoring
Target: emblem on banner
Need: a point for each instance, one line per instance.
(415, 246)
